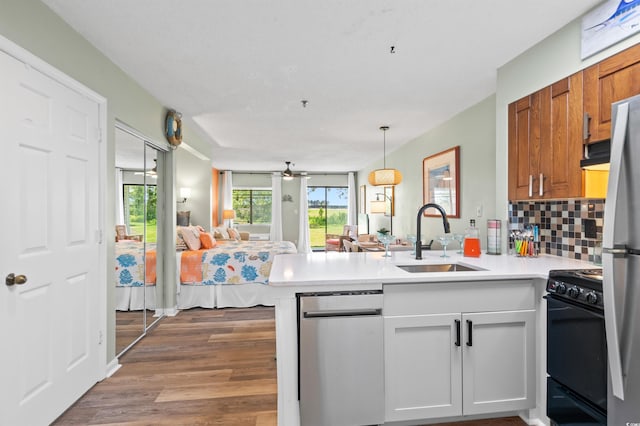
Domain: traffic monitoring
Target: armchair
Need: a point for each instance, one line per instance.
(334, 242)
(121, 234)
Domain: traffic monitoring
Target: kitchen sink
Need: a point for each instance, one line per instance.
(441, 267)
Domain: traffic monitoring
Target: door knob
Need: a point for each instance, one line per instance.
(15, 279)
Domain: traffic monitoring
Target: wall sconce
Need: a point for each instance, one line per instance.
(228, 215)
(184, 194)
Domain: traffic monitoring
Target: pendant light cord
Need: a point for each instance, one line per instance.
(384, 145)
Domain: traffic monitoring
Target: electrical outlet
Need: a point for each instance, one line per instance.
(479, 211)
(590, 230)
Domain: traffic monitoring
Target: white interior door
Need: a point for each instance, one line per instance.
(50, 186)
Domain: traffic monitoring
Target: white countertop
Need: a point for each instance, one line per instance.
(371, 268)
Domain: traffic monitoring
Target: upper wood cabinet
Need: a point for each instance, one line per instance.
(608, 81)
(545, 142)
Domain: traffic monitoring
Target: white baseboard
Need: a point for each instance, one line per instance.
(172, 312)
(112, 367)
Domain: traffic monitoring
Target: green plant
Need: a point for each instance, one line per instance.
(383, 230)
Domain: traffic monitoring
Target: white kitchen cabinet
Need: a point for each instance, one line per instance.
(450, 364)
(422, 367)
(498, 369)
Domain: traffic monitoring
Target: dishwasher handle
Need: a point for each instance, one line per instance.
(342, 313)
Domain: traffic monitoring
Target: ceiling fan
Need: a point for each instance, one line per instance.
(287, 174)
(153, 172)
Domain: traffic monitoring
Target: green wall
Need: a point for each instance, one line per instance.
(481, 132)
(33, 26)
(474, 131)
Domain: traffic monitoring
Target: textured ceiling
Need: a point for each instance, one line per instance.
(240, 69)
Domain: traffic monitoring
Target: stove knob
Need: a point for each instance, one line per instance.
(573, 292)
(561, 288)
(592, 297)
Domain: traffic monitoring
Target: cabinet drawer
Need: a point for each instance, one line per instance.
(464, 296)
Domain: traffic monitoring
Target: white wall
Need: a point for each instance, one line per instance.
(194, 172)
(474, 131)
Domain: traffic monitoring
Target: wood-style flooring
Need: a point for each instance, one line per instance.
(201, 367)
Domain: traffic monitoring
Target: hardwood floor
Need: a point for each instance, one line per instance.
(201, 367)
(129, 326)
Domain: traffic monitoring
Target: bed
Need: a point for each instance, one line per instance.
(232, 274)
(135, 284)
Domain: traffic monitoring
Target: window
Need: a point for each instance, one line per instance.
(327, 212)
(252, 205)
(134, 210)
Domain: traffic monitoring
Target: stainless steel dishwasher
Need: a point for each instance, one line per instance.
(341, 369)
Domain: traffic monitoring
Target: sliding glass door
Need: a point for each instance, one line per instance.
(327, 207)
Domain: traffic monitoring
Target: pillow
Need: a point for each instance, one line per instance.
(191, 237)
(234, 234)
(207, 240)
(220, 233)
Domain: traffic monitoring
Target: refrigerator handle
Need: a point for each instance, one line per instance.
(615, 170)
(613, 319)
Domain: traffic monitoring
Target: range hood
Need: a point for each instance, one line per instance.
(596, 168)
(596, 154)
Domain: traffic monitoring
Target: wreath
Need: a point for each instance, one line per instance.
(173, 127)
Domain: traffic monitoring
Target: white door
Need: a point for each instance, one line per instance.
(423, 371)
(499, 361)
(48, 222)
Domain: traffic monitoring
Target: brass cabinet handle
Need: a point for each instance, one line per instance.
(15, 279)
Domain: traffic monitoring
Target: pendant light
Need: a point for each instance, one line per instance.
(384, 176)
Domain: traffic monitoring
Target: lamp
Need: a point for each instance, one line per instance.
(384, 176)
(184, 194)
(380, 206)
(228, 215)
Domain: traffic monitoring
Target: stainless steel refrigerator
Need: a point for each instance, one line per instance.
(621, 264)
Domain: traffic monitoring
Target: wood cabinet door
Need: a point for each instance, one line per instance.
(524, 145)
(498, 361)
(560, 174)
(608, 81)
(423, 370)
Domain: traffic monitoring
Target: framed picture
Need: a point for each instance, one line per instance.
(389, 209)
(441, 182)
(363, 199)
(607, 24)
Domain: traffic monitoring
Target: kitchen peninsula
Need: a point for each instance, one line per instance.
(500, 290)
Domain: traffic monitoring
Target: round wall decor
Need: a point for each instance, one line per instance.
(173, 127)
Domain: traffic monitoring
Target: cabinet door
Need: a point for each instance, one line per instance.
(422, 367)
(608, 81)
(524, 146)
(499, 361)
(561, 132)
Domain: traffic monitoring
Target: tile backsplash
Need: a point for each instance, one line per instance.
(562, 228)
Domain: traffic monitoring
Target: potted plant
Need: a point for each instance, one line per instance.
(383, 231)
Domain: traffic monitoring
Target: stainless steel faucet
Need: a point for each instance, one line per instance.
(445, 223)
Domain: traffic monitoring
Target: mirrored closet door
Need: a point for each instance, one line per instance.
(138, 279)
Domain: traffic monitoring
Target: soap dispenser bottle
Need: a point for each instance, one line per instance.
(472, 240)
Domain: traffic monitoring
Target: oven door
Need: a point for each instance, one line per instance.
(567, 408)
(577, 350)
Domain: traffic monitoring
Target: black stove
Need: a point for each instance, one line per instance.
(581, 286)
(576, 348)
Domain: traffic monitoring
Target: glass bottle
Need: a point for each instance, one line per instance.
(472, 240)
(494, 236)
